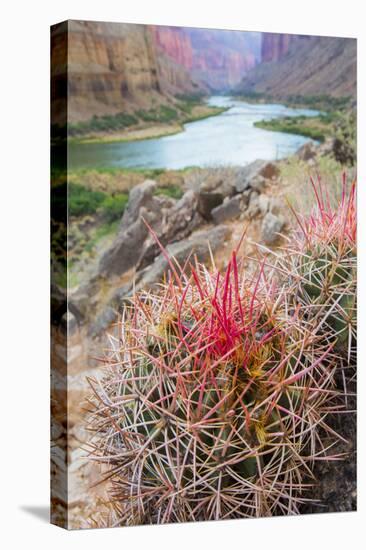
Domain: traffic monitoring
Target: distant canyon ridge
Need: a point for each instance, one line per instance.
(295, 65)
(107, 68)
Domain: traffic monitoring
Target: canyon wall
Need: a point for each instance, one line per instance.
(217, 59)
(305, 66)
(275, 46)
(112, 67)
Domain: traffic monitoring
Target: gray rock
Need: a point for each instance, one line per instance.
(207, 201)
(326, 148)
(121, 294)
(219, 181)
(306, 151)
(85, 298)
(124, 253)
(263, 203)
(133, 246)
(141, 195)
(275, 205)
(271, 226)
(253, 207)
(249, 173)
(246, 196)
(102, 322)
(175, 224)
(258, 183)
(230, 209)
(269, 204)
(196, 245)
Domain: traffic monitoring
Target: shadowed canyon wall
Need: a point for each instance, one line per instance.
(305, 66)
(275, 46)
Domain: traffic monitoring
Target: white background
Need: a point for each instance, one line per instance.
(24, 271)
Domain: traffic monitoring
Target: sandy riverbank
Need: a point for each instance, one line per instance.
(150, 131)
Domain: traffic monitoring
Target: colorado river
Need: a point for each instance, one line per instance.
(228, 138)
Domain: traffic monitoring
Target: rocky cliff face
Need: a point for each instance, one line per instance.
(175, 43)
(112, 67)
(306, 66)
(218, 59)
(275, 46)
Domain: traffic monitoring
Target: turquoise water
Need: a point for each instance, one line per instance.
(229, 138)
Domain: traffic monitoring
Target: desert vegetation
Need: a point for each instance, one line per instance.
(204, 325)
(338, 124)
(220, 388)
(170, 117)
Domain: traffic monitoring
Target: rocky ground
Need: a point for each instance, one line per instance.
(215, 207)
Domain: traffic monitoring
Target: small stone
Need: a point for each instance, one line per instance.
(271, 227)
(228, 210)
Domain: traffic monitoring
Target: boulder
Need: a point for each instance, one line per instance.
(102, 322)
(175, 224)
(269, 204)
(140, 196)
(271, 227)
(123, 254)
(219, 181)
(251, 173)
(253, 208)
(258, 183)
(197, 245)
(245, 195)
(159, 211)
(230, 209)
(207, 201)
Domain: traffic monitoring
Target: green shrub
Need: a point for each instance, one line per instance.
(103, 123)
(162, 114)
(83, 201)
(113, 206)
(173, 191)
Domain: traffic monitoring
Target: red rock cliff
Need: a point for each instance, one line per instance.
(217, 58)
(176, 43)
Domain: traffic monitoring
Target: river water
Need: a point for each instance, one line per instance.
(227, 139)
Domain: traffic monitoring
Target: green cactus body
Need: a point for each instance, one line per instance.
(201, 412)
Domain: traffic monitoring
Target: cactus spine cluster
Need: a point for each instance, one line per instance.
(218, 388)
(320, 267)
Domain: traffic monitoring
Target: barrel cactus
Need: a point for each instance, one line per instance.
(320, 268)
(213, 402)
